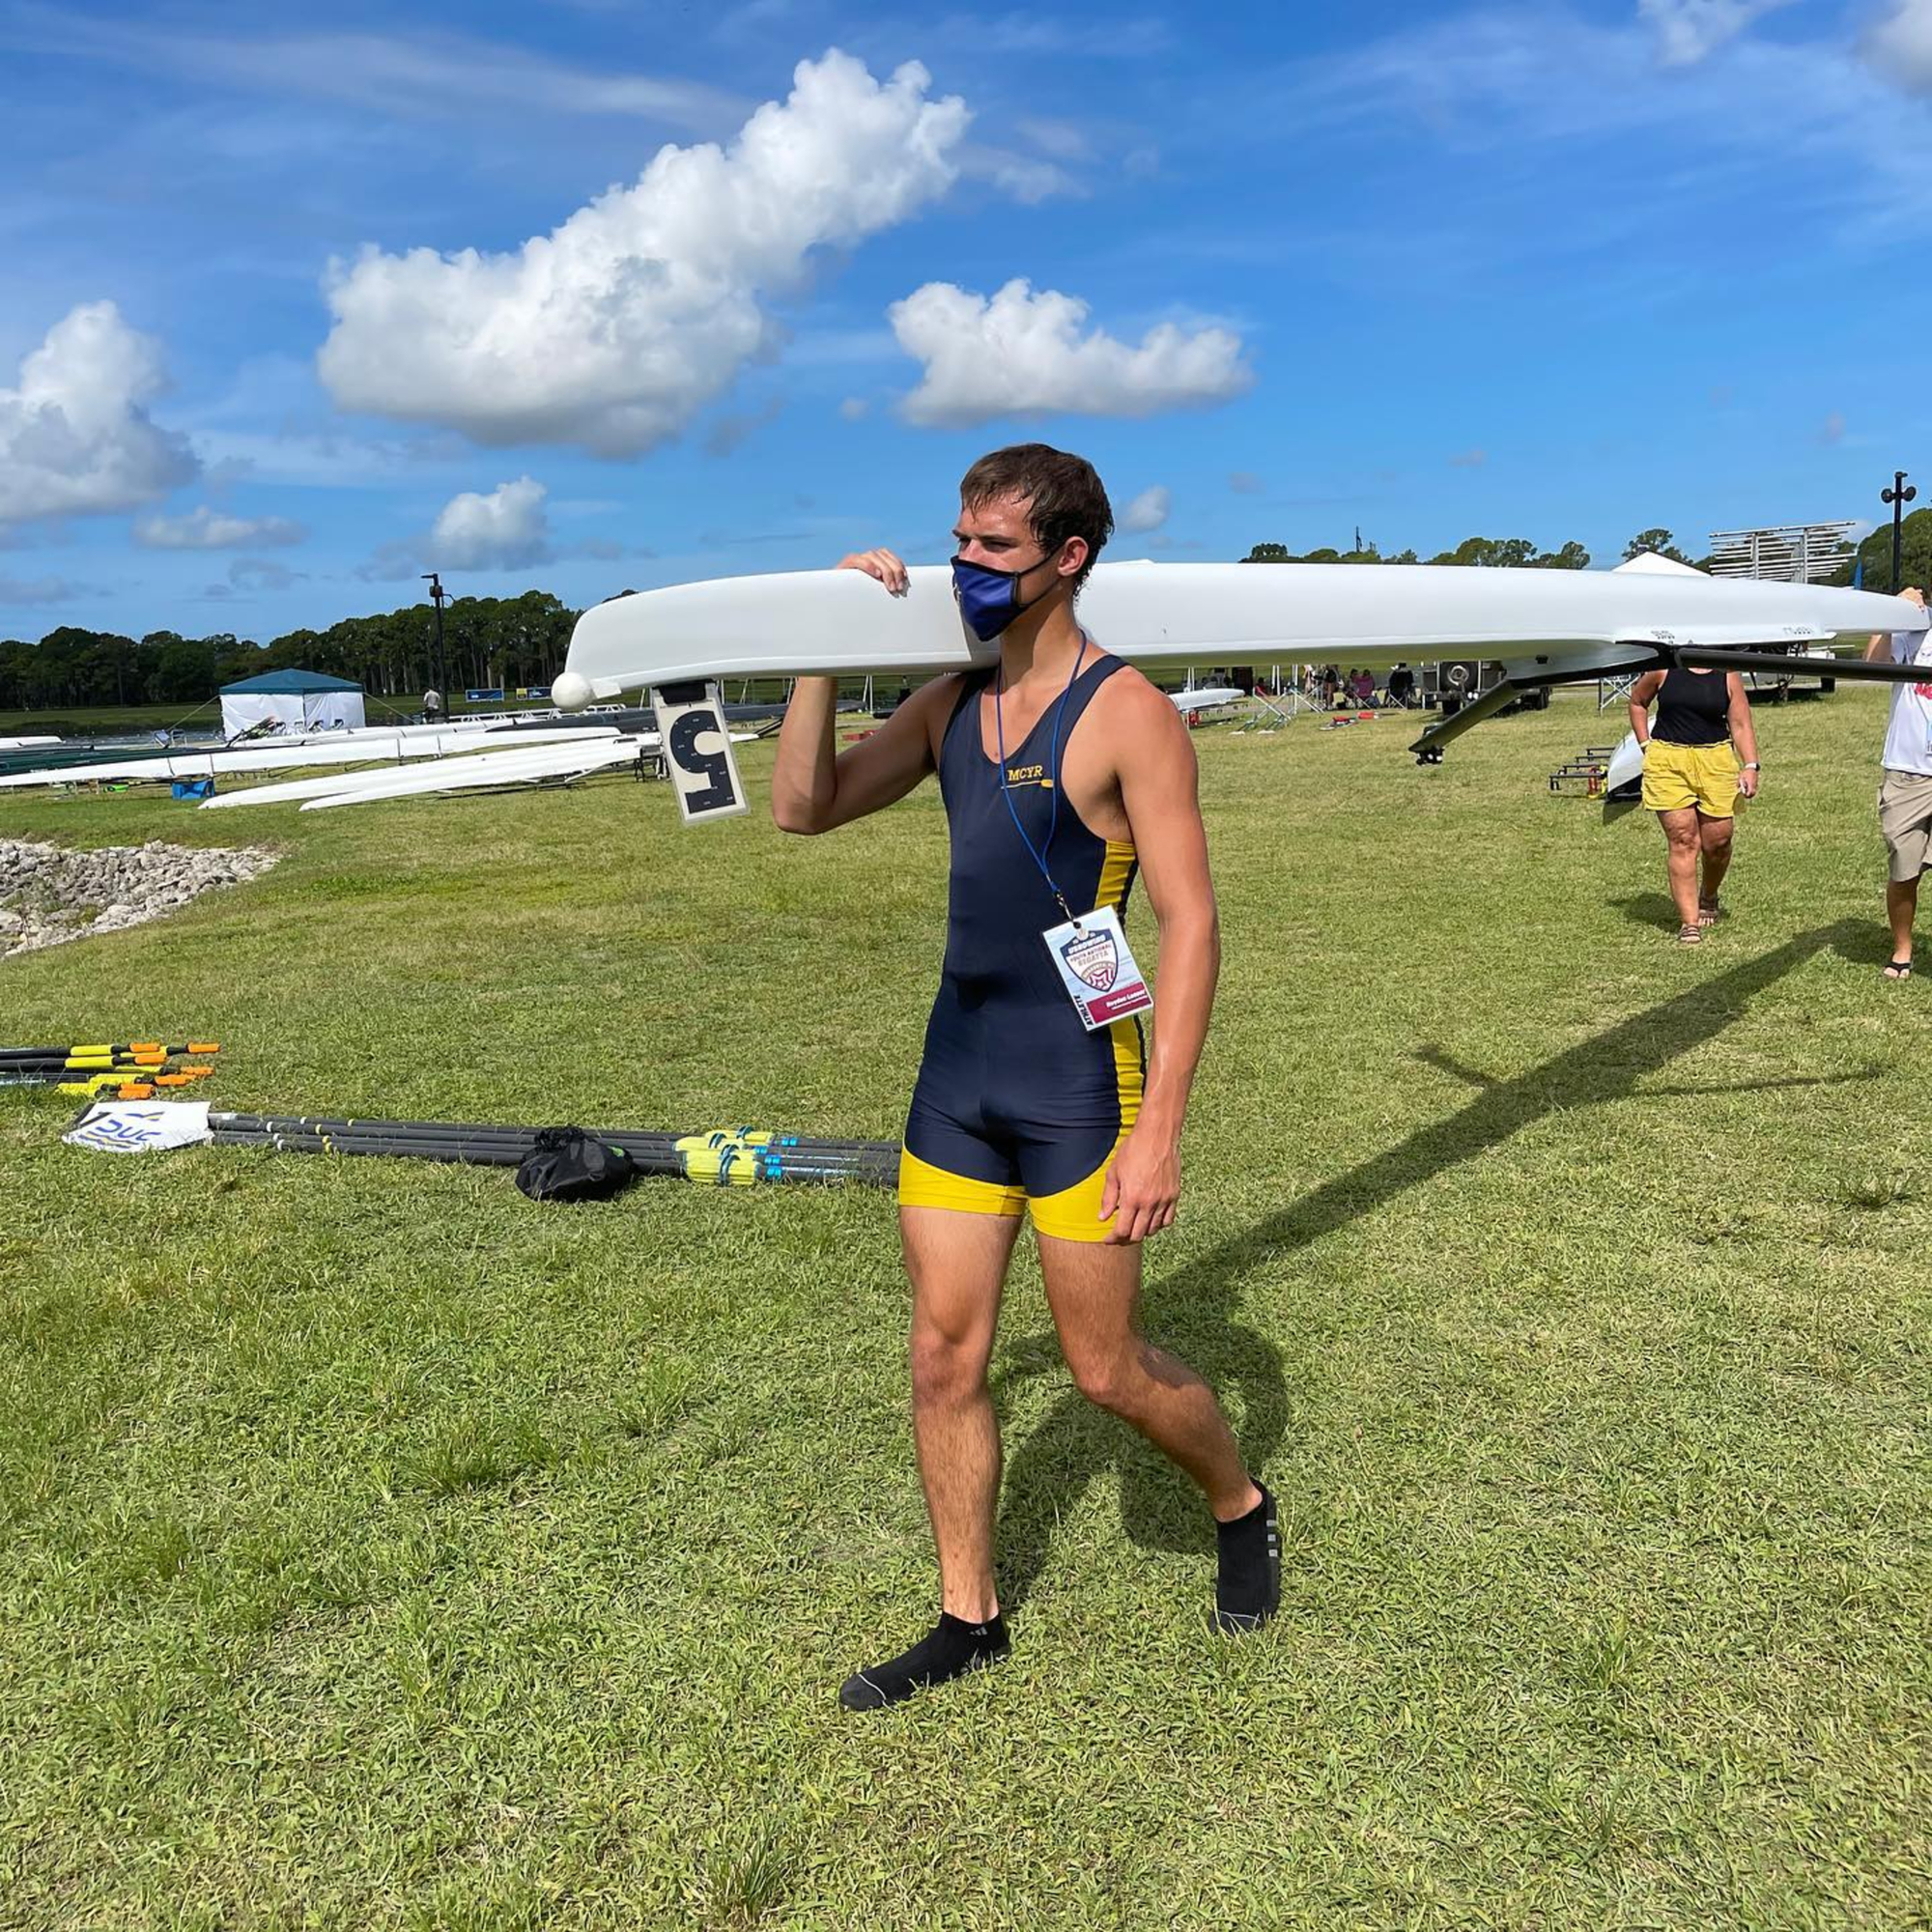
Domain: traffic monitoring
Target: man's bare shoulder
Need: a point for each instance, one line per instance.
(935, 700)
(1131, 703)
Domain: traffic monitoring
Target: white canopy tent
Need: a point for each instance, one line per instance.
(292, 700)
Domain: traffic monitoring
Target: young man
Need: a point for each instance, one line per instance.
(1063, 773)
(1905, 796)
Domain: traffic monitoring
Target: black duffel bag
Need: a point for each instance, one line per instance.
(567, 1164)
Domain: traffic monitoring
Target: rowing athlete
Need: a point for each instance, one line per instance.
(1065, 773)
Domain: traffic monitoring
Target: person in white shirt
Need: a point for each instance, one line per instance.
(1905, 797)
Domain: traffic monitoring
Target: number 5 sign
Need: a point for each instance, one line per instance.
(697, 751)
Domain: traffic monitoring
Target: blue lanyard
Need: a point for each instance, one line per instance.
(1038, 854)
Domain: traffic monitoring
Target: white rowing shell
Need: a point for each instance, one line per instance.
(1535, 622)
(333, 784)
(1626, 763)
(502, 768)
(337, 748)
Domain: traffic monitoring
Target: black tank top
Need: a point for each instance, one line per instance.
(998, 903)
(1694, 709)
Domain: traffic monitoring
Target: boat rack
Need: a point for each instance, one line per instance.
(1587, 772)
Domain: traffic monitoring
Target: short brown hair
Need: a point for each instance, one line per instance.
(1062, 494)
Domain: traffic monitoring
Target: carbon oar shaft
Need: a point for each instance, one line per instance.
(870, 1154)
(83, 1050)
(625, 1137)
(83, 1081)
(436, 1151)
(879, 1165)
(135, 1064)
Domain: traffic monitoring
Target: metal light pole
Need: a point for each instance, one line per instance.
(436, 593)
(1898, 496)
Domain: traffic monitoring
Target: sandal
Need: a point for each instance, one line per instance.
(1898, 969)
(1690, 935)
(1708, 912)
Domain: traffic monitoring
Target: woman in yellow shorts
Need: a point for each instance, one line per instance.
(1691, 778)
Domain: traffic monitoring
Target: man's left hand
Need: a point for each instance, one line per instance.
(1142, 1188)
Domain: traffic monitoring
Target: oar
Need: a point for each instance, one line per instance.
(747, 1172)
(85, 1051)
(626, 1137)
(875, 1162)
(126, 1082)
(684, 1149)
(86, 1063)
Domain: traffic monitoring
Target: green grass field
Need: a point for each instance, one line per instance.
(384, 1550)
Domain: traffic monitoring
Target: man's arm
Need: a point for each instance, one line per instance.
(1881, 649)
(815, 789)
(1159, 788)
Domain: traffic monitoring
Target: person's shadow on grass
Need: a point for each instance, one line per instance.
(1194, 1308)
(1658, 909)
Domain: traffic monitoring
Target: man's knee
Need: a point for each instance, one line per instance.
(1718, 834)
(946, 1369)
(1121, 1377)
(1105, 1378)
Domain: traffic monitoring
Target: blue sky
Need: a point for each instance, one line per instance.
(589, 295)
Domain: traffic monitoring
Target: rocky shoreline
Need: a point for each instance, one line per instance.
(49, 896)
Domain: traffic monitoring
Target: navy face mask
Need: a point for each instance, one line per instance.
(989, 599)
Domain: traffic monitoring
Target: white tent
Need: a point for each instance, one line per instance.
(292, 700)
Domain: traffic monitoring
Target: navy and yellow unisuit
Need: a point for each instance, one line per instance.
(1016, 1101)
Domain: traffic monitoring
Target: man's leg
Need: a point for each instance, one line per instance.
(1714, 835)
(1680, 828)
(1901, 908)
(1904, 822)
(957, 1264)
(1093, 1289)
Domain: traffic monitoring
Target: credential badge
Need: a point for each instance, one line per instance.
(1094, 957)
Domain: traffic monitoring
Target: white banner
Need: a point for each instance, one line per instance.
(140, 1126)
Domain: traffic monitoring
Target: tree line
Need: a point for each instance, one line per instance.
(1874, 555)
(509, 641)
(1478, 553)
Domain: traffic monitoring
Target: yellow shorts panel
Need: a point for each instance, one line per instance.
(1679, 777)
(1074, 1215)
(924, 1185)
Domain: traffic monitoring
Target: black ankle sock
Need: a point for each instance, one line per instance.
(949, 1650)
(1247, 1592)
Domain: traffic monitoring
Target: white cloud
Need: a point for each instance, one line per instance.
(1024, 34)
(263, 573)
(1803, 125)
(615, 328)
(38, 590)
(1690, 30)
(1029, 178)
(1021, 353)
(853, 408)
(429, 74)
(76, 439)
(1900, 45)
(1149, 510)
(206, 529)
(503, 530)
